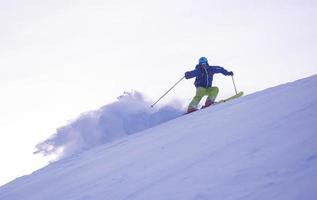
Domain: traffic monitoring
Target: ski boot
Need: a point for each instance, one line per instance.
(190, 110)
(208, 103)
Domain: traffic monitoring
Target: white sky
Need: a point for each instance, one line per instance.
(59, 58)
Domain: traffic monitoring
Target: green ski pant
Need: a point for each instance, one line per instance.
(210, 92)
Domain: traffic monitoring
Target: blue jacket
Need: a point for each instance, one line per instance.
(204, 74)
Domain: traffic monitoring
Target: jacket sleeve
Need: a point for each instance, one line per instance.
(218, 69)
(191, 74)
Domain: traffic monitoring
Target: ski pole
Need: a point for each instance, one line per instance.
(235, 89)
(167, 91)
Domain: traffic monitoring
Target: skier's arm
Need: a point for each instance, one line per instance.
(218, 69)
(191, 74)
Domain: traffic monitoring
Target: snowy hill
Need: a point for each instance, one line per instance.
(261, 146)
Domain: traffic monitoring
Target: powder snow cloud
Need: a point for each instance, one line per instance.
(130, 114)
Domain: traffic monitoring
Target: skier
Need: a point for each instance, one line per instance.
(204, 75)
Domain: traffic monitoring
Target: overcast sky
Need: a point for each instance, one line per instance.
(64, 57)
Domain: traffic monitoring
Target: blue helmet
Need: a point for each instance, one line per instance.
(203, 60)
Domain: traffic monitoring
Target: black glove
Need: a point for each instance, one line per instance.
(187, 75)
(229, 74)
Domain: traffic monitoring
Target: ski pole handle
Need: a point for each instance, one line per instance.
(235, 89)
(167, 92)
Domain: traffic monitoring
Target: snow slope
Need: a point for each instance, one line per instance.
(261, 146)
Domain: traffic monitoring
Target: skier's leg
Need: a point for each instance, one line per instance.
(200, 93)
(212, 93)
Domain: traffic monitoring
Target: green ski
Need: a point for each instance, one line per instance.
(230, 98)
(222, 101)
